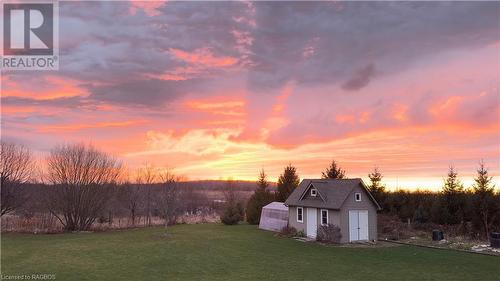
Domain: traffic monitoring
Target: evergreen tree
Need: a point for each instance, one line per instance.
(333, 172)
(485, 207)
(439, 213)
(377, 189)
(261, 197)
(287, 183)
(421, 215)
(452, 183)
(262, 183)
(233, 213)
(234, 209)
(452, 198)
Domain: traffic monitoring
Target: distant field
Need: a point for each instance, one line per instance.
(218, 252)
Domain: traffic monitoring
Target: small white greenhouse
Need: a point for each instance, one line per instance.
(274, 216)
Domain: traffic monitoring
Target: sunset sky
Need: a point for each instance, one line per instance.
(222, 89)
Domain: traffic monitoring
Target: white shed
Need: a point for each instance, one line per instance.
(274, 216)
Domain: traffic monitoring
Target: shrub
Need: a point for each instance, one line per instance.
(301, 233)
(329, 233)
(233, 214)
(102, 219)
(288, 231)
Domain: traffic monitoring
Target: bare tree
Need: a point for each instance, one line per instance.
(132, 200)
(147, 175)
(82, 179)
(167, 198)
(192, 200)
(17, 168)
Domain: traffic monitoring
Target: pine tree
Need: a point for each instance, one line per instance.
(485, 209)
(233, 210)
(334, 172)
(262, 183)
(452, 197)
(377, 189)
(233, 214)
(452, 184)
(287, 183)
(261, 197)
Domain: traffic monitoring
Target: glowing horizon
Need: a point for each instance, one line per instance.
(222, 89)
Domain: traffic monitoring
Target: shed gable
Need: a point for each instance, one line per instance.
(331, 193)
(310, 191)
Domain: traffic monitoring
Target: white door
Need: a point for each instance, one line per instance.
(312, 222)
(353, 226)
(363, 225)
(358, 225)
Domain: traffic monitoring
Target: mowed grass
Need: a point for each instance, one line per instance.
(218, 252)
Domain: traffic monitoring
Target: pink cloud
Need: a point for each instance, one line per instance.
(149, 7)
(203, 57)
(200, 62)
(82, 126)
(226, 91)
(42, 88)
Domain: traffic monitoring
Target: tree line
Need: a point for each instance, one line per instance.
(476, 210)
(82, 185)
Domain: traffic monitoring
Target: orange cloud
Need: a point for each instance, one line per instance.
(17, 109)
(282, 98)
(203, 57)
(365, 117)
(214, 153)
(201, 61)
(400, 112)
(278, 119)
(76, 127)
(446, 108)
(232, 108)
(279, 107)
(345, 118)
(169, 76)
(53, 87)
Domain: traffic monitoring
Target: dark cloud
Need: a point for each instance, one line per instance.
(114, 54)
(393, 35)
(151, 92)
(360, 79)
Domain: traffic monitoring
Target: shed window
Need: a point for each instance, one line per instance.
(324, 217)
(299, 214)
(313, 192)
(357, 197)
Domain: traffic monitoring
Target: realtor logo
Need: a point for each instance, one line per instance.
(28, 29)
(30, 36)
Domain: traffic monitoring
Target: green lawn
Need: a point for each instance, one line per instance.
(217, 252)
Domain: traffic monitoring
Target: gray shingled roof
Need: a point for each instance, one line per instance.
(333, 192)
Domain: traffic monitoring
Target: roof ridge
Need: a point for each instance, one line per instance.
(333, 191)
